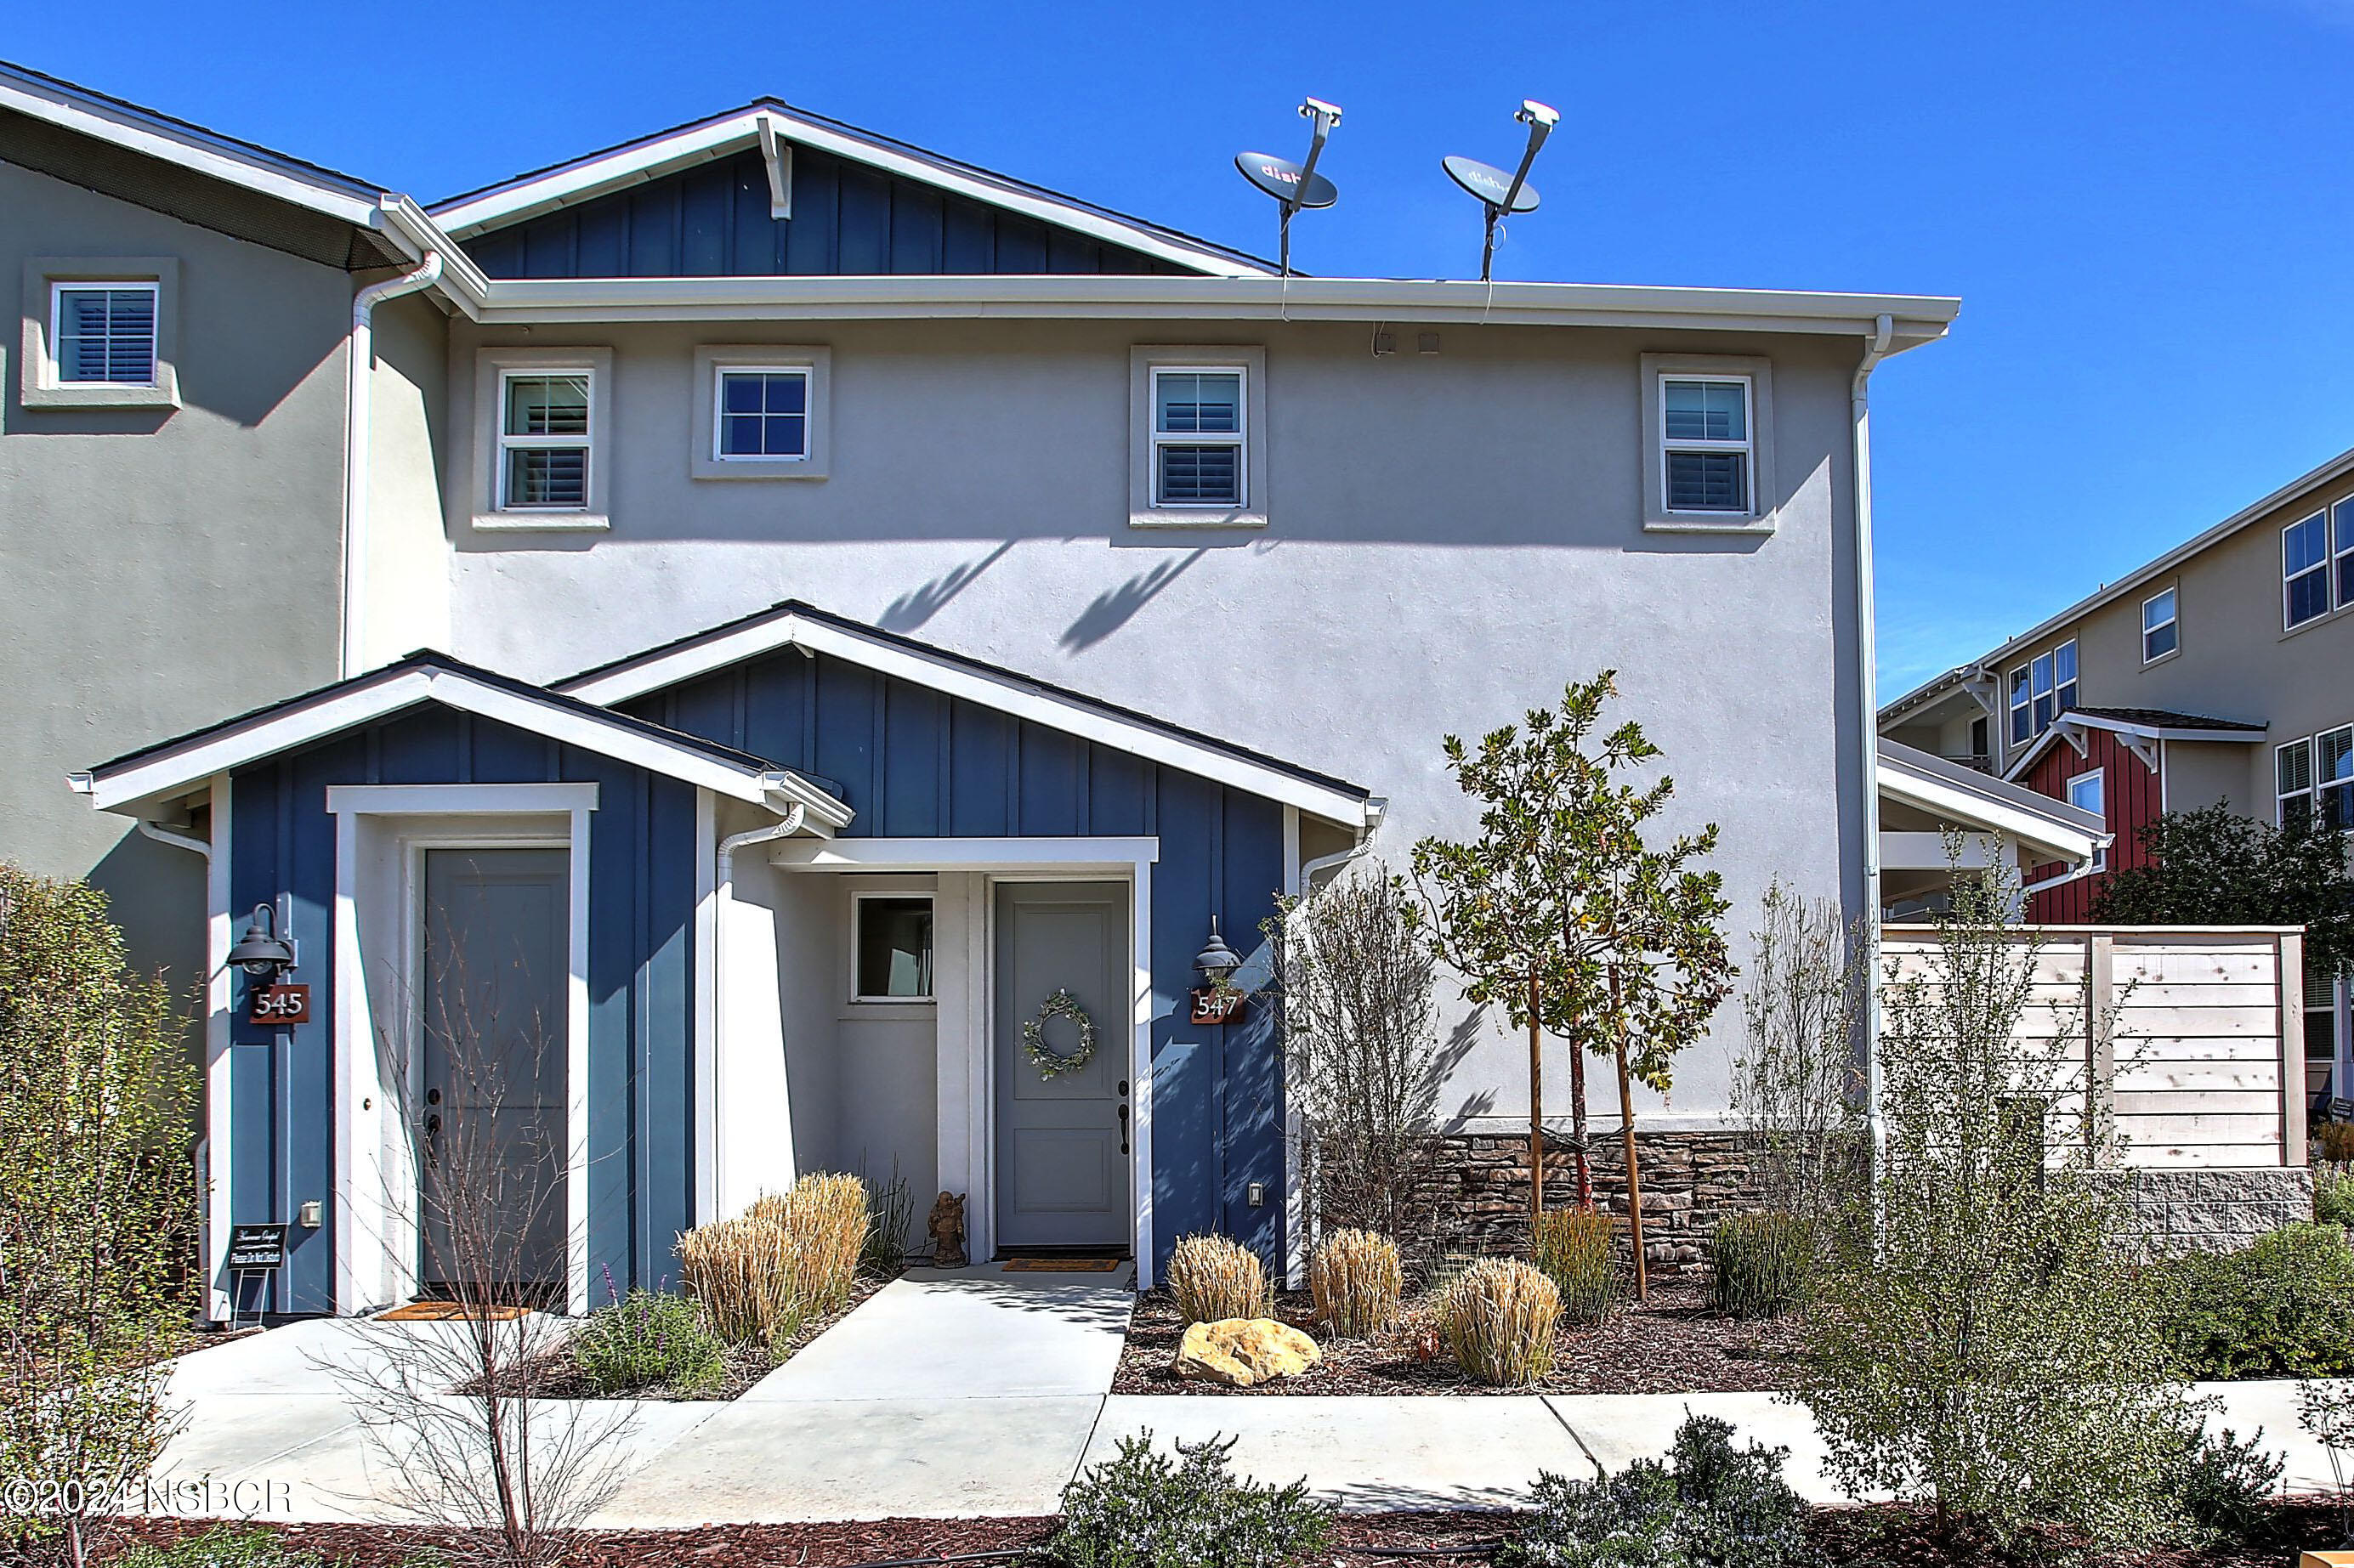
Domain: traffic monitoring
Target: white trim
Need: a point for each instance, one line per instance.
(719, 375)
(2172, 592)
(1955, 804)
(1156, 438)
(653, 158)
(508, 441)
(1295, 1185)
(418, 799)
(1005, 693)
(2071, 723)
(2099, 776)
(53, 369)
(705, 1043)
(2326, 566)
(2314, 783)
(1072, 855)
(182, 766)
(713, 362)
(1746, 448)
(1140, 1079)
(855, 998)
(219, 1000)
(777, 156)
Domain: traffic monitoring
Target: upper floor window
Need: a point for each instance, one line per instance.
(1705, 447)
(104, 334)
(2316, 779)
(2305, 569)
(760, 412)
(1198, 458)
(2086, 792)
(544, 440)
(2040, 691)
(2161, 632)
(763, 416)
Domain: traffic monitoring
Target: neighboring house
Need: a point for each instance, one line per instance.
(2217, 672)
(1939, 816)
(879, 593)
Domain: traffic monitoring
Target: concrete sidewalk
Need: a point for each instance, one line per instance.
(976, 1393)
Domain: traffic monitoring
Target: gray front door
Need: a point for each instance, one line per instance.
(491, 1119)
(1062, 1143)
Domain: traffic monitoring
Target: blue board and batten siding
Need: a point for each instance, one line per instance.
(917, 764)
(914, 763)
(848, 219)
(642, 875)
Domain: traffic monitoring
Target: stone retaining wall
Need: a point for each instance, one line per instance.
(1690, 1180)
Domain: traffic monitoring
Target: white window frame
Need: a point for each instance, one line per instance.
(2282, 797)
(41, 384)
(1757, 376)
(494, 368)
(2340, 538)
(1253, 473)
(2019, 695)
(2326, 566)
(2098, 776)
(719, 375)
(714, 362)
(1238, 438)
(1746, 447)
(858, 900)
(60, 287)
(2173, 596)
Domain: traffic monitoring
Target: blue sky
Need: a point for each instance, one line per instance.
(2145, 210)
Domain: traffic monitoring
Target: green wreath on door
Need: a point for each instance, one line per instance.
(1053, 1064)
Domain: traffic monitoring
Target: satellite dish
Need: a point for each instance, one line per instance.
(1296, 185)
(1499, 192)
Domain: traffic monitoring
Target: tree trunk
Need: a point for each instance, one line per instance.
(1627, 1134)
(1577, 1123)
(1536, 1109)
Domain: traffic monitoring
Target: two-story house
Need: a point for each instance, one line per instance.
(881, 596)
(2215, 674)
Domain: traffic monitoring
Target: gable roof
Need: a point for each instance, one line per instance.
(526, 196)
(795, 624)
(1969, 798)
(169, 769)
(2144, 725)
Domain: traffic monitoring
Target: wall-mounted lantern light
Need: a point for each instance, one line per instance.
(261, 953)
(1217, 960)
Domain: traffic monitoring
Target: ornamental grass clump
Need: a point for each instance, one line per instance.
(1498, 1318)
(1762, 1263)
(1148, 1510)
(2333, 1195)
(1572, 1248)
(792, 1257)
(649, 1340)
(1357, 1282)
(1216, 1277)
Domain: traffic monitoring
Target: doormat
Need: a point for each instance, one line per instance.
(1061, 1265)
(449, 1312)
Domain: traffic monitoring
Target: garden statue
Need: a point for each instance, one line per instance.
(946, 1227)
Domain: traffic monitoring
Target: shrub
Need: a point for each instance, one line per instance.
(1498, 1318)
(791, 1256)
(2333, 1195)
(2228, 1488)
(1356, 1281)
(2335, 1139)
(1572, 1248)
(646, 1339)
(1711, 1504)
(2283, 1305)
(1216, 1278)
(1763, 1263)
(220, 1546)
(885, 1253)
(1147, 1510)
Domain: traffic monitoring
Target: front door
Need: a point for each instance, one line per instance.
(492, 1131)
(1063, 1141)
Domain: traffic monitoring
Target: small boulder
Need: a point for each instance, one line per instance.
(1242, 1351)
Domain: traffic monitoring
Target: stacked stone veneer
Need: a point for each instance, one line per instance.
(1691, 1180)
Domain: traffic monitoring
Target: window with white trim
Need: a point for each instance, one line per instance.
(893, 961)
(1200, 455)
(2086, 792)
(2342, 531)
(2315, 779)
(2161, 633)
(104, 334)
(1705, 444)
(2040, 691)
(2305, 569)
(545, 439)
(2022, 714)
(764, 414)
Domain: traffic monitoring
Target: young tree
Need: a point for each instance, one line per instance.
(1794, 1080)
(97, 1209)
(1983, 1345)
(2211, 868)
(1361, 1052)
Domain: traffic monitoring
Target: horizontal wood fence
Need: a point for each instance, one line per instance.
(2204, 1063)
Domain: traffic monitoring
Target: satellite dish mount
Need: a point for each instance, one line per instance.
(1296, 185)
(1499, 192)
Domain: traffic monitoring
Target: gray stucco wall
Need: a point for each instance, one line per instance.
(164, 567)
(1452, 536)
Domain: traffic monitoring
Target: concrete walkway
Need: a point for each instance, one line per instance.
(980, 1392)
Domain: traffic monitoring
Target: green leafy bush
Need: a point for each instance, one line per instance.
(649, 1340)
(2229, 1487)
(1711, 1505)
(1573, 1248)
(2281, 1306)
(2333, 1195)
(1762, 1263)
(1148, 1510)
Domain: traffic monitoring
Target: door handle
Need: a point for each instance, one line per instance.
(433, 1139)
(1123, 1127)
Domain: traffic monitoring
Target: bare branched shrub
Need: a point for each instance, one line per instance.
(97, 1206)
(1797, 1083)
(1216, 1277)
(1361, 1052)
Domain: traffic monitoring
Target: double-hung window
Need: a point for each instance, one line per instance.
(2161, 632)
(2086, 792)
(763, 414)
(2040, 691)
(544, 440)
(2305, 569)
(1706, 450)
(2022, 715)
(1199, 433)
(2316, 779)
(104, 334)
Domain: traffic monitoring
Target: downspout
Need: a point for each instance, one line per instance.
(723, 894)
(163, 835)
(1867, 727)
(359, 359)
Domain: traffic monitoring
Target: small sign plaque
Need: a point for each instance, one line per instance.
(256, 1249)
(280, 1004)
(1216, 1007)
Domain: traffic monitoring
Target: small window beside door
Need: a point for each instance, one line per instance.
(894, 959)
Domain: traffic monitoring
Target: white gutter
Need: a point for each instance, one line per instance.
(359, 363)
(163, 835)
(1375, 808)
(723, 894)
(1867, 729)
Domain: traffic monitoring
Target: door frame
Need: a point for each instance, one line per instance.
(374, 1157)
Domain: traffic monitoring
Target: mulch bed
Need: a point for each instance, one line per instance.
(1674, 1345)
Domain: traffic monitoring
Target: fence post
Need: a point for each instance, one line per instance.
(2100, 1048)
(2288, 987)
